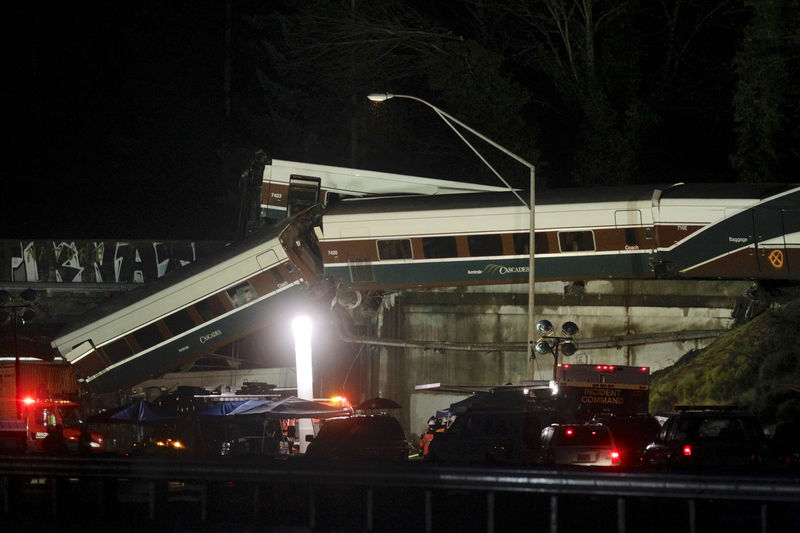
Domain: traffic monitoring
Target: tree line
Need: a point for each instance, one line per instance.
(594, 92)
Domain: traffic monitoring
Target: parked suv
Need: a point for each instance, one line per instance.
(360, 437)
(492, 435)
(579, 445)
(701, 436)
(631, 435)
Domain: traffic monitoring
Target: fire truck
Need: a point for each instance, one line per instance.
(45, 403)
(586, 391)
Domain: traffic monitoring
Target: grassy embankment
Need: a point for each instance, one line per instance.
(751, 366)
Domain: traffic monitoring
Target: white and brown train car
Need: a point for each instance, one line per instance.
(289, 187)
(184, 315)
(691, 231)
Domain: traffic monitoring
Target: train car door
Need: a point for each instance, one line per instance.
(770, 241)
(638, 238)
(303, 193)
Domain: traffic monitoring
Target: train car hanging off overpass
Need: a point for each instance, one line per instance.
(184, 315)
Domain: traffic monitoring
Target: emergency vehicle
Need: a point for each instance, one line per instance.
(586, 391)
(44, 405)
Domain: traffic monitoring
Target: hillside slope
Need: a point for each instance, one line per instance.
(753, 366)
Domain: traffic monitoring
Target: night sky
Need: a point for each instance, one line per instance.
(115, 117)
(116, 122)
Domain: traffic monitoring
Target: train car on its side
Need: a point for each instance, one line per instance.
(685, 231)
(183, 315)
(289, 187)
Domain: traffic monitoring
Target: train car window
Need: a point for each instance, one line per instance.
(630, 236)
(576, 241)
(361, 271)
(277, 276)
(522, 244)
(649, 232)
(439, 247)
(242, 294)
(148, 336)
(179, 322)
(209, 308)
(117, 350)
(483, 245)
(394, 249)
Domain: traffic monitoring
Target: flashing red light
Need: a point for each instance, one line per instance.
(569, 432)
(614, 457)
(687, 450)
(644, 369)
(28, 400)
(565, 365)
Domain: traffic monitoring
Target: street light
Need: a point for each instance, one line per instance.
(10, 312)
(548, 343)
(450, 120)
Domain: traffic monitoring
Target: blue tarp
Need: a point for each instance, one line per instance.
(248, 405)
(222, 408)
(138, 412)
(291, 407)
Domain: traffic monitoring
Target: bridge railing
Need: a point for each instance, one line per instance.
(383, 497)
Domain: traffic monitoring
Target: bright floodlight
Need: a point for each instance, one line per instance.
(379, 97)
(301, 327)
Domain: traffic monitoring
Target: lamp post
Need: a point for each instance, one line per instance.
(450, 120)
(548, 343)
(10, 312)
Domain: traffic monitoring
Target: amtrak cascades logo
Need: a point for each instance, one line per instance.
(205, 338)
(494, 268)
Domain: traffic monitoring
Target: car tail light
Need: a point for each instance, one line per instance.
(569, 432)
(614, 457)
(687, 450)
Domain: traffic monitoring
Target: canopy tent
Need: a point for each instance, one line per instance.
(374, 404)
(247, 407)
(138, 412)
(221, 408)
(290, 407)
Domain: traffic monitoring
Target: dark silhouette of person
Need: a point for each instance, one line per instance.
(84, 441)
(54, 443)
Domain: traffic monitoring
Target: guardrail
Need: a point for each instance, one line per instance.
(389, 497)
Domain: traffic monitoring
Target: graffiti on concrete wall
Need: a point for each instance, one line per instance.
(97, 261)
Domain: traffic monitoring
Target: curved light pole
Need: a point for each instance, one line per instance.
(10, 313)
(450, 120)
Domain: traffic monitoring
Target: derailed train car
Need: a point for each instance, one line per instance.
(186, 314)
(684, 231)
(475, 238)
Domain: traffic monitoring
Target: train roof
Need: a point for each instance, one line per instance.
(172, 278)
(572, 195)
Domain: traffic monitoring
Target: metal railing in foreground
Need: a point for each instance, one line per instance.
(381, 496)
